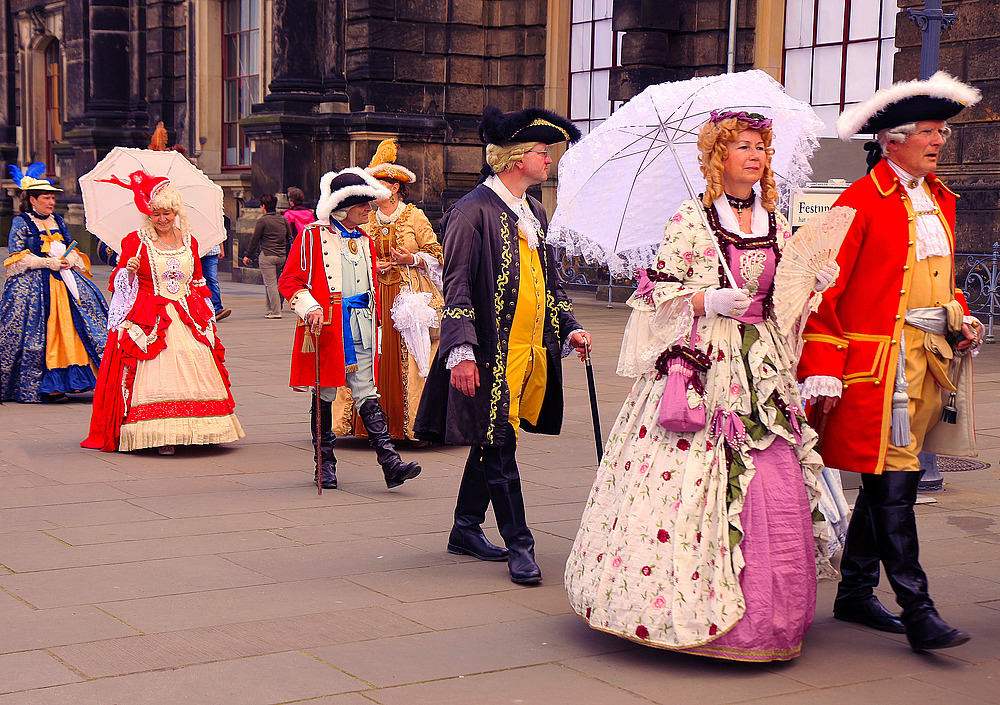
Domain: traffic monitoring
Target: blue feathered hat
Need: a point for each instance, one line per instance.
(30, 179)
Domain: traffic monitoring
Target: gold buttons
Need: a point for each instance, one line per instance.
(911, 243)
(902, 292)
(898, 317)
(906, 267)
(892, 342)
(877, 383)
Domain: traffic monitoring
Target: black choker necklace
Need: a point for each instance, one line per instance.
(740, 203)
(31, 211)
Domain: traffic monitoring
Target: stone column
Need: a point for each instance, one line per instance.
(305, 100)
(8, 138)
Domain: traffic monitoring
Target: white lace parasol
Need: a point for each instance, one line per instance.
(413, 316)
(621, 183)
(812, 246)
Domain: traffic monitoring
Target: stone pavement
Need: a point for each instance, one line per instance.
(219, 576)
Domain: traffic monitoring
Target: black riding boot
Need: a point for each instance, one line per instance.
(377, 426)
(859, 570)
(327, 469)
(467, 537)
(891, 497)
(504, 484)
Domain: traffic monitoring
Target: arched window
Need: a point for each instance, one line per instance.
(53, 101)
(240, 76)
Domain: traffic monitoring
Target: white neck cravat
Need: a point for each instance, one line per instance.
(527, 223)
(931, 236)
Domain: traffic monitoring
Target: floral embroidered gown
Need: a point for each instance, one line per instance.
(51, 340)
(163, 380)
(707, 542)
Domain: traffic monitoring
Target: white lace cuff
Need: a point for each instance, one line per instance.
(567, 347)
(821, 386)
(122, 301)
(434, 269)
(458, 354)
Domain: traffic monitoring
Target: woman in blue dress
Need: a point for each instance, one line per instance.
(54, 320)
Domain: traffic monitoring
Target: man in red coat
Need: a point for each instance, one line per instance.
(877, 354)
(329, 281)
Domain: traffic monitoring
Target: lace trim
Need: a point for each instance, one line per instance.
(123, 299)
(460, 353)
(435, 270)
(821, 386)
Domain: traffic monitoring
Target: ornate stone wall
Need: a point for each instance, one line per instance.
(970, 51)
(670, 41)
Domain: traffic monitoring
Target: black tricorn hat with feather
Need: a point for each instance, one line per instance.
(530, 125)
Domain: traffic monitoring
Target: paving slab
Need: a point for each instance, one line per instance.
(29, 628)
(497, 647)
(264, 680)
(244, 604)
(232, 641)
(81, 586)
(538, 685)
(219, 576)
(32, 669)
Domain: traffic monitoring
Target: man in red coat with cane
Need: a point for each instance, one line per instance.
(329, 281)
(881, 353)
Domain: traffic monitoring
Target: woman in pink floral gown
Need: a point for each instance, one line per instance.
(705, 541)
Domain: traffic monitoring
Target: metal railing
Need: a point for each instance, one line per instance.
(980, 285)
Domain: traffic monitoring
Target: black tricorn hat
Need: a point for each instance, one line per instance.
(939, 97)
(530, 125)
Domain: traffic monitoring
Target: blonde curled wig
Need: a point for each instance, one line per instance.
(713, 150)
(502, 158)
(169, 198)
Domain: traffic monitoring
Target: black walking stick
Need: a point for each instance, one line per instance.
(317, 420)
(593, 404)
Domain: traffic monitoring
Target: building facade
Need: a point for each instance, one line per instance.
(268, 94)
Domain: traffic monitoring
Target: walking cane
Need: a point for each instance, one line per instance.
(593, 404)
(316, 412)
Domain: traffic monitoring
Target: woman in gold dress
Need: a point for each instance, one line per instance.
(409, 255)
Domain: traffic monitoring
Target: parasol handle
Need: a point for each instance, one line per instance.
(701, 211)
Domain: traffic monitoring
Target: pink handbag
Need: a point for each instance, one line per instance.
(683, 367)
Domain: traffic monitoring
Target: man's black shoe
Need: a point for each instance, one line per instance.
(523, 569)
(870, 613)
(927, 631)
(472, 542)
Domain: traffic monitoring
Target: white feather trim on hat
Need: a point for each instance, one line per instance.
(330, 201)
(940, 85)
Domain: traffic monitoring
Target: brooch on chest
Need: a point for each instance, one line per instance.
(350, 249)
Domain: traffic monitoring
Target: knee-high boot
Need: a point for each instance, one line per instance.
(327, 469)
(859, 570)
(467, 537)
(504, 484)
(891, 497)
(377, 426)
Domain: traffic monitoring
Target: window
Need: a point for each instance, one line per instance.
(838, 52)
(53, 102)
(240, 76)
(593, 52)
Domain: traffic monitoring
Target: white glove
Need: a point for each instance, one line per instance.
(726, 302)
(54, 263)
(827, 277)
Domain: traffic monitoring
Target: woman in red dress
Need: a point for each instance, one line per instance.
(163, 381)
